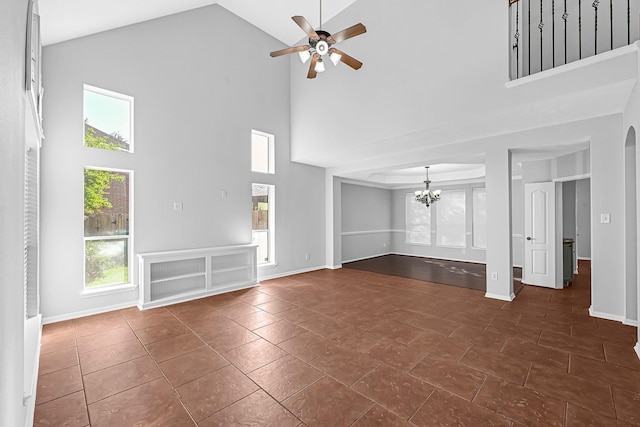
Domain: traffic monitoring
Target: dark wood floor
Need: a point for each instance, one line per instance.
(456, 273)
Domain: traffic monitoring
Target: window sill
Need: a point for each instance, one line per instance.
(107, 290)
(267, 265)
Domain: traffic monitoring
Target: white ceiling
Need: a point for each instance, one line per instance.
(63, 20)
(68, 19)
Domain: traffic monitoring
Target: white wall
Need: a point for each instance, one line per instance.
(196, 101)
(583, 218)
(366, 222)
(12, 145)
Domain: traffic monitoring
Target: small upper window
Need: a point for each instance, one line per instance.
(108, 120)
(262, 152)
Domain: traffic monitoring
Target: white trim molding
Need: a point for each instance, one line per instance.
(606, 316)
(637, 348)
(290, 273)
(630, 322)
(501, 297)
(90, 312)
(367, 257)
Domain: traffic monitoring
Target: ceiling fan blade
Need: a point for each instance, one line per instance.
(312, 68)
(306, 27)
(349, 60)
(289, 50)
(352, 31)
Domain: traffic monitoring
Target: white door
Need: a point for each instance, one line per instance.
(541, 248)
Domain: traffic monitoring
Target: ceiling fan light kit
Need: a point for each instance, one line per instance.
(320, 44)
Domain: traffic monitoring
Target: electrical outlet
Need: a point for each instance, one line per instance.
(177, 206)
(384, 245)
(605, 218)
(307, 257)
(494, 276)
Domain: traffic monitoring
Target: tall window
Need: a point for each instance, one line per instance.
(418, 221)
(479, 218)
(263, 222)
(108, 120)
(106, 227)
(262, 152)
(451, 219)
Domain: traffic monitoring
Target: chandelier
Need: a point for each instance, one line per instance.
(427, 196)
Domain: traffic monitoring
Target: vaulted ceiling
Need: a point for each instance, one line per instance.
(68, 19)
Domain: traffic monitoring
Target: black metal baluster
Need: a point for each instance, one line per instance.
(565, 15)
(579, 29)
(611, 21)
(529, 31)
(628, 21)
(517, 37)
(541, 25)
(595, 25)
(553, 33)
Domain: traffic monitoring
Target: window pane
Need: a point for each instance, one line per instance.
(262, 152)
(107, 120)
(418, 221)
(106, 203)
(106, 262)
(106, 216)
(451, 219)
(479, 218)
(262, 220)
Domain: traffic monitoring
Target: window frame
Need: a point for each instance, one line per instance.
(116, 95)
(271, 231)
(129, 284)
(271, 158)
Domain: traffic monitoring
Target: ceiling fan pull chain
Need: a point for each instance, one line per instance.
(320, 14)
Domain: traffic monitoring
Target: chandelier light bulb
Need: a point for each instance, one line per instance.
(335, 57)
(319, 66)
(304, 56)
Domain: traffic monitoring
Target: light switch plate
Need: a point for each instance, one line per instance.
(605, 218)
(177, 206)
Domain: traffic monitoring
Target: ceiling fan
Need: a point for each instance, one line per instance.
(320, 44)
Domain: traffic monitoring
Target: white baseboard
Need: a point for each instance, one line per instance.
(630, 322)
(582, 258)
(90, 312)
(606, 316)
(291, 273)
(344, 261)
(500, 297)
(637, 348)
(335, 267)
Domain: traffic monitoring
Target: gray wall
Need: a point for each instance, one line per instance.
(12, 145)
(196, 101)
(569, 209)
(366, 221)
(583, 215)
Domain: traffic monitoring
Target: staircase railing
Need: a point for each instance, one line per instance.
(549, 33)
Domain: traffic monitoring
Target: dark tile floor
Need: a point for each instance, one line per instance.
(345, 347)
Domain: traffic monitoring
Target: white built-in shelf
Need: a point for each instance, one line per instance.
(175, 276)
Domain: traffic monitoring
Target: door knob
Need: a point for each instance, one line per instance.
(528, 238)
